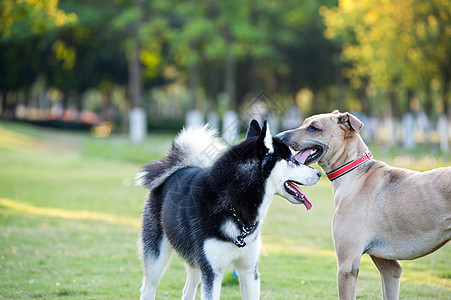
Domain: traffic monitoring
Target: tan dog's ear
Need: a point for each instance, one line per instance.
(336, 111)
(351, 121)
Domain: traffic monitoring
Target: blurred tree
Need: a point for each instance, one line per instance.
(19, 69)
(141, 22)
(308, 58)
(22, 26)
(25, 18)
(240, 46)
(84, 56)
(259, 45)
(394, 45)
(213, 35)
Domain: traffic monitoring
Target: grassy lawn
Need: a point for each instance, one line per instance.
(70, 217)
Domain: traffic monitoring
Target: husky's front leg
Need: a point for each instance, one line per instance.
(211, 286)
(247, 268)
(249, 283)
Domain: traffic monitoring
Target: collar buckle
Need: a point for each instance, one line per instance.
(244, 228)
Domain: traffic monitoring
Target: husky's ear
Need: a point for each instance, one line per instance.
(266, 138)
(253, 130)
(350, 121)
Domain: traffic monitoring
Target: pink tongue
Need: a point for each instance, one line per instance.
(302, 155)
(306, 201)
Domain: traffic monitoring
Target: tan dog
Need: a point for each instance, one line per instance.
(388, 213)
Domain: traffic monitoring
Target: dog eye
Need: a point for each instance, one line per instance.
(312, 128)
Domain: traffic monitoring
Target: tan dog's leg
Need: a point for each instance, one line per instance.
(390, 272)
(349, 253)
(348, 272)
(349, 243)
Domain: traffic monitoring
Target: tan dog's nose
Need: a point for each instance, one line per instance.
(286, 137)
(282, 136)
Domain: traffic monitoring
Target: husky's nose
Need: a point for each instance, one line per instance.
(317, 172)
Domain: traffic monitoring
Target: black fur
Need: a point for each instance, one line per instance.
(154, 169)
(253, 130)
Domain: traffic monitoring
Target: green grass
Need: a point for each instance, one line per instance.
(70, 215)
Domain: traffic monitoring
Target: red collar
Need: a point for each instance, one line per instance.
(348, 167)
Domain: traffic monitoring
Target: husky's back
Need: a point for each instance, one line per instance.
(191, 148)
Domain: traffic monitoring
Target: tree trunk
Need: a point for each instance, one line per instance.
(137, 115)
(4, 107)
(138, 123)
(108, 113)
(393, 98)
(134, 78)
(26, 100)
(78, 104)
(428, 103)
(254, 80)
(193, 82)
(230, 70)
(410, 96)
(445, 97)
(341, 85)
(213, 86)
(230, 80)
(363, 98)
(64, 100)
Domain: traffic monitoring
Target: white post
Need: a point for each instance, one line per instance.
(194, 118)
(422, 127)
(213, 120)
(273, 121)
(138, 124)
(390, 126)
(230, 126)
(443, 132)
(408, 125)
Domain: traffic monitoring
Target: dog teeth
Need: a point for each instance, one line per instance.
(296, 194)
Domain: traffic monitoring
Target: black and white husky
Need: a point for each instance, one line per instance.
(211, 212)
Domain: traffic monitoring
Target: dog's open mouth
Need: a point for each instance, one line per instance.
(295, 191)
(309, 155)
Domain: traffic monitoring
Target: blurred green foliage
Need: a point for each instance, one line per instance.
(395, 44)
(25, 18)
(379, 57)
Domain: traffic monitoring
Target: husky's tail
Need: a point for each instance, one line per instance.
(192, 147)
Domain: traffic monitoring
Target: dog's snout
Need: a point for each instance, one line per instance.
(285, 137)
(318, 173)
(280, 137)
